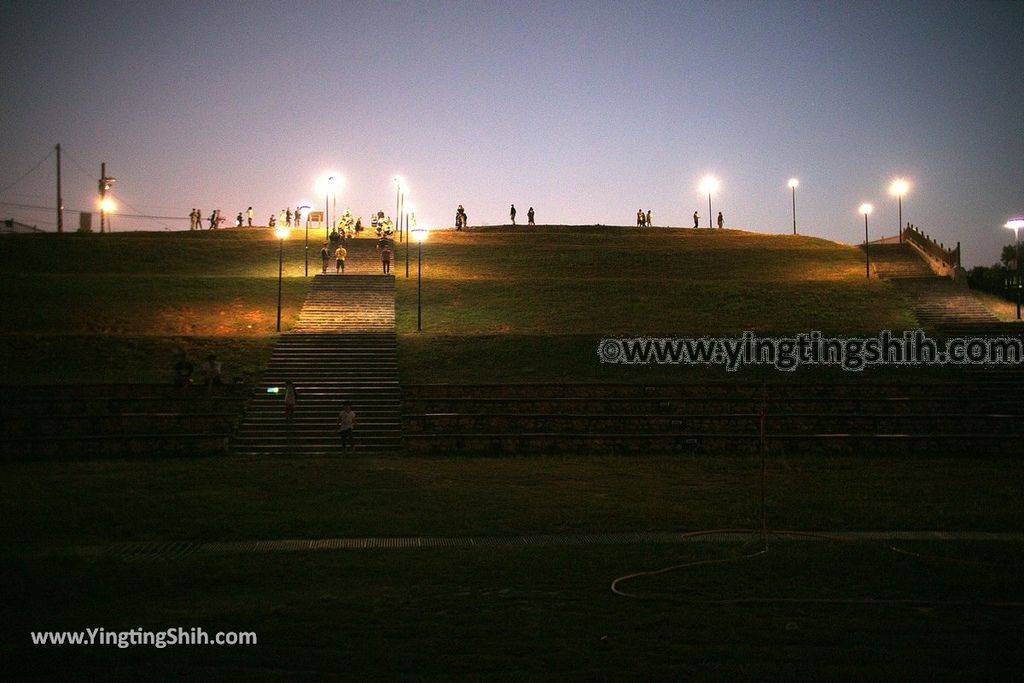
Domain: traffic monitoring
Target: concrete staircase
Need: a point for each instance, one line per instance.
(939, 304)
(936, 301)
(890, 261)
(343, 348)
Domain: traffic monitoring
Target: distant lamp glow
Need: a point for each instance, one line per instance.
(281, 232)
(898, 188)
(1015, 224)
(793, 183)
(107, 205)
(866, 209)
(709, 185)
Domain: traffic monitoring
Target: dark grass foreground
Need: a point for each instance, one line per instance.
(510, 614)
(514, 613)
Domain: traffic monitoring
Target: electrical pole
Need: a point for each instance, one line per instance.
(60, 199)
(103, 195)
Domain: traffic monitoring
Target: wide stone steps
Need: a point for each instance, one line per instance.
(938, 303)
(343, 348)
(897, 261)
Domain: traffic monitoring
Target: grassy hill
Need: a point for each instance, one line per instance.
(536, 301)
(115, 307)
(498, 304)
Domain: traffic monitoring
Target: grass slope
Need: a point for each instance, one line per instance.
(498, 305)
(530, 305)
(115, 307)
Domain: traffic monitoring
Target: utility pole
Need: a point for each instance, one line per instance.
(105, 184)
(60, 199)
(103, 196)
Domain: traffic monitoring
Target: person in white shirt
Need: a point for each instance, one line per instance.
(346, 422)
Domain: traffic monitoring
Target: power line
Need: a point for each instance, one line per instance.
(25, 175)
(124, 215)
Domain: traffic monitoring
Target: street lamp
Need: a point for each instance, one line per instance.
(281, 233)
(899, 188)
(327, 185)
(399, 185)
(793, 182)
(1016, 224)
(298, 212)
(400, 218)
(866, 209)
(419, 234)
(327, 205)
(708, 185)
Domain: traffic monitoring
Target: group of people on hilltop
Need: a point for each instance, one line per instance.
(195, 219)
(462, 221)
(529, 215)
(644, 220)
(696, 220)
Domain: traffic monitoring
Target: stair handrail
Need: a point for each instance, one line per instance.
(948, 257)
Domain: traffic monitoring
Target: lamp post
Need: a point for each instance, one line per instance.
(281, 233)
(419, 234)
(1016, 224)
(398, 201)
(866, 209)
(298, 211)
(405, 217)
(708, 185)
(327, 206)
(899, 188)
(793, 182)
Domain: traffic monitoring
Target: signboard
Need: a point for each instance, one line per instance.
(315, 216)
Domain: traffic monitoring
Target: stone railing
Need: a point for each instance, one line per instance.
(942, 259)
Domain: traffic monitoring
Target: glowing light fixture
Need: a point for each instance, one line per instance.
(708, 185)
(898, 188)
(793, 183)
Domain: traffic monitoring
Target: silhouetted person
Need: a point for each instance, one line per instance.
(325, 256)
(213, 219)
(346, 424)
(182, 371)
(721, 222)
(211, 372)
(288, 217)
(291, 399)
(238, 220)
(248, 215)
(650, 221)
(272, 221)
(529, 216)
(384, 247)
(696, 220)
(512, 213)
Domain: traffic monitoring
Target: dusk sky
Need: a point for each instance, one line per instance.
(586, 111)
